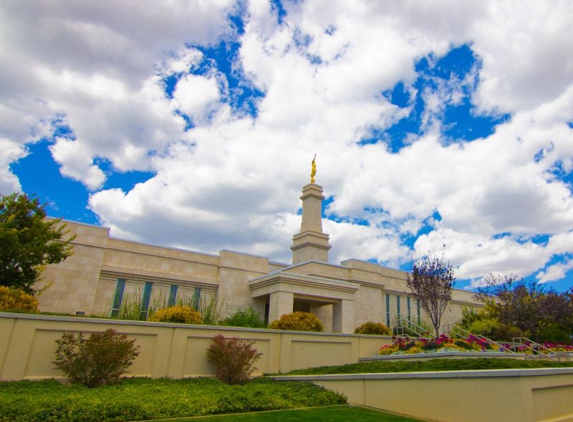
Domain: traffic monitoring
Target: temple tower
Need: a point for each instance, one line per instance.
(311, 244)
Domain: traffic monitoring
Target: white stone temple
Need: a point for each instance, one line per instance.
(106, 272)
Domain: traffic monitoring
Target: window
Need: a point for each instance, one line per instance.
(196, 298)
(145, 300)
(118, 297)
(388, 309)
(172, 295)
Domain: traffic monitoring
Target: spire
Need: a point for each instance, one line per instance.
(311, 244)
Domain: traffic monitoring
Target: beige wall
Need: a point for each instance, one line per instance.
(530, 395)
(27, 346)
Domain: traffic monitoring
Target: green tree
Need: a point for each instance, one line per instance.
(529, 306)
(431, 282)
(28, 241)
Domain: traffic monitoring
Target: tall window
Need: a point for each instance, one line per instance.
(398, 307)
(172, 295)
(118, 297)
(409, 308)
(145, 300)
(196, 297)
(388, 309)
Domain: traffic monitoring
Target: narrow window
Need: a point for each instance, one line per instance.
(145, 300)
(118, 297)
(172, 295)
(196, 298)
(409, 308)
(398, 309)
(388, 309)
(419, 317)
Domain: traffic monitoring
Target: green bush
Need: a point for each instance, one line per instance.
(181, 314)
(233, 358)
(137, 399)
(101, 359)
(297, 321)
(371, 327)
(17, 300)
(245, 318)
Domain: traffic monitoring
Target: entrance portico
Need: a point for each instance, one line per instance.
(284, 290)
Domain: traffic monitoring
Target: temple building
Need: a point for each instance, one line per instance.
(106, 273)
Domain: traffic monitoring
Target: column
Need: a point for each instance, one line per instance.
(343, 317)
(280, 303)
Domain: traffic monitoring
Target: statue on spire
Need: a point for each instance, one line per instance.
(313, 171)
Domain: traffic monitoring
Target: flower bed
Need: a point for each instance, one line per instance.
(473, 344)
(441, 344)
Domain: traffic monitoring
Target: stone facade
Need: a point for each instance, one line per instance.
(105, 273)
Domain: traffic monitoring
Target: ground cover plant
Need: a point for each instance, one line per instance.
(145, 398)
(330, 414)
(376, 367)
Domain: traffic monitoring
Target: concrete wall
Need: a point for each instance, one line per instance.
(27, 346)
(527, 395)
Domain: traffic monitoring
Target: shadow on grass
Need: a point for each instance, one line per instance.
(330, 414)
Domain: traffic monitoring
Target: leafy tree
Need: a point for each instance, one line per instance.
(29, 241)
(529, 306)
(431, 282)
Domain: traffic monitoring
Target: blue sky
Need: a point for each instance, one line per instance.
(193, 126)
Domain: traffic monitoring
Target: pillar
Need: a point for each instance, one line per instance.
(280, 303)
(343, 317)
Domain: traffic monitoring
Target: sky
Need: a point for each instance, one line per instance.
(440, 126)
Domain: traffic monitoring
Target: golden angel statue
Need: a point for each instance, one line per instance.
(313, 171)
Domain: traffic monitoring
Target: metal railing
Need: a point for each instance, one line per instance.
(459, 331)
(405, 327)
(539, 351)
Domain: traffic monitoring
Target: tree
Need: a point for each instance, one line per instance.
(529, 306)
(28, 241)
(431, 282)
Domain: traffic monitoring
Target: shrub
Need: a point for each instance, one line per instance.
(245, 318)
(17, 300)
(99, 360)
(233, 358)
(373, 328)
(297, 321)
(181, 314)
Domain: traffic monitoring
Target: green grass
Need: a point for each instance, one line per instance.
(144, 398)
(330, 414)
(430, 365)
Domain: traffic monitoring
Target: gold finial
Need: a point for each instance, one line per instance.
(313, 171)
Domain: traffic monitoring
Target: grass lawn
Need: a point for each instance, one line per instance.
(376, 367)
(145, 399)
(330, 414)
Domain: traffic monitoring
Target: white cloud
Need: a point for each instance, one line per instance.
(555, 272)
(9, 153)
(197, 96)
(233, 180)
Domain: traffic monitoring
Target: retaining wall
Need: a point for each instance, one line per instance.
(28, 345)
(505, 395)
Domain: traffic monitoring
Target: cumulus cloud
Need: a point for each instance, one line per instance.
(229, 139)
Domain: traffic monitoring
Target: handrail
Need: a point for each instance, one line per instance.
(410, 326)
(539, 348)
(452, 328)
